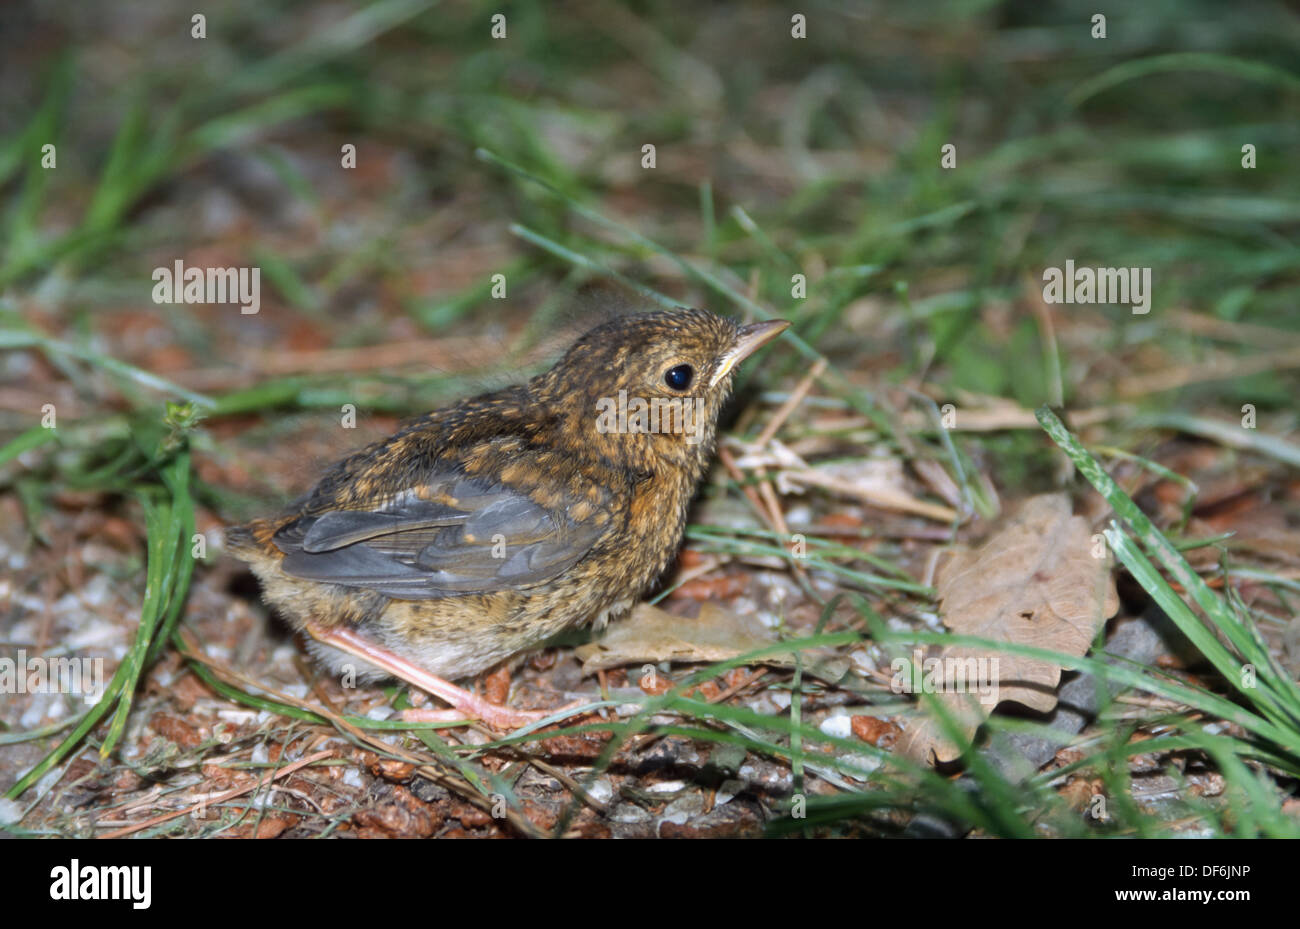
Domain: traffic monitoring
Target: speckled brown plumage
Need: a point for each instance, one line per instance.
(484, 528)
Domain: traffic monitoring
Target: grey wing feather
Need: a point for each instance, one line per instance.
(488, 538)
(338, 528)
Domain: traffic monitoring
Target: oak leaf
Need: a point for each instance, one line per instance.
(1040, 580)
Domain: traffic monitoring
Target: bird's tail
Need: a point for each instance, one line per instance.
(251, 542)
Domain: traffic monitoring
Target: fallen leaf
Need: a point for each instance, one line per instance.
(1034, 582)
(650, 634)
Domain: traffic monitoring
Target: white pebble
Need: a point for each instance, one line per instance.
(10, 812)
(602, 791)
(864, 763)
(676, 817)
(837, 726)
(863, 663)
(666, 787)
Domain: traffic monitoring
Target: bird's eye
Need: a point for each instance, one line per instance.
(679, 377)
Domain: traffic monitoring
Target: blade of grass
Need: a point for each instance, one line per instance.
(1279, 698)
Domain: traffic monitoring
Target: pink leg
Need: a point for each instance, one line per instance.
(468, 705)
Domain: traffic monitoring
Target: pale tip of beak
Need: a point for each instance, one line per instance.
(749, 339)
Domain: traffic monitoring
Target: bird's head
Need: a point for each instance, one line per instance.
(647, 389)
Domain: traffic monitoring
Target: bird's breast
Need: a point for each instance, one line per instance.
(656, 519)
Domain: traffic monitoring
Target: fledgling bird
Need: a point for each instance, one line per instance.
(485, 528)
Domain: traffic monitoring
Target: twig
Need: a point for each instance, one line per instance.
(1216, 368)
(729, 462)
(791, 403)
(574, 787)
(885, 499)
(465, 790)
(222, 798)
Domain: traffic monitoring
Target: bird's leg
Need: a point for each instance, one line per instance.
(468, 705)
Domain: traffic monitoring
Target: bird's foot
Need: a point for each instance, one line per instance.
(468, 706)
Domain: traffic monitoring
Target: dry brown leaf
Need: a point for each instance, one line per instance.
(1037, 582)
(653, 635)
(650, 634)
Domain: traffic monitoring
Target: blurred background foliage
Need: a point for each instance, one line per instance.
(774, 156)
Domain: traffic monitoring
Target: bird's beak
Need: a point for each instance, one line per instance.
(748, 340)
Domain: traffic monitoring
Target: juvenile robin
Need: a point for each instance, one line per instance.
(480, 530)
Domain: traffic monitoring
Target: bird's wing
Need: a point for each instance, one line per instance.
(450, 535)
